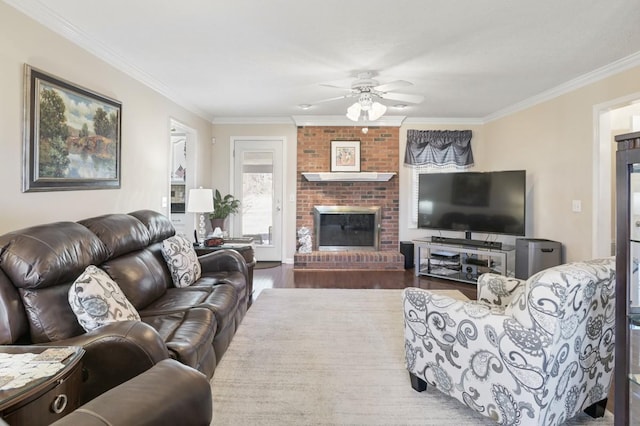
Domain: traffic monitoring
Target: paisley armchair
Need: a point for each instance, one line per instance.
(534, 352)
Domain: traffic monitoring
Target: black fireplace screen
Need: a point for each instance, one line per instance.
(344, 228)
(347, 230)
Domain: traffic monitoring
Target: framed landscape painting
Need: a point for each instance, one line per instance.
(345, 156)
(72, 138)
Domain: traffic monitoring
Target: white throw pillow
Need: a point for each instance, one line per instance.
(97, 300)
(182, 260)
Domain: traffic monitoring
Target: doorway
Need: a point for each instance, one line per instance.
(611, 118)
(257, 183)
(181, 175)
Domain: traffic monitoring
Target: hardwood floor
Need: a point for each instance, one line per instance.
(282, 277)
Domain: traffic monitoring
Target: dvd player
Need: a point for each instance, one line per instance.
(467, 242)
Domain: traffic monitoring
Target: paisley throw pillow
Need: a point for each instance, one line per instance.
(182, 260)
(97, 300)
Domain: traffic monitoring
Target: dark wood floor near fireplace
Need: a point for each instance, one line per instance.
(283, 277)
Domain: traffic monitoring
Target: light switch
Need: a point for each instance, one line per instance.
(164, 202)
(576, 206)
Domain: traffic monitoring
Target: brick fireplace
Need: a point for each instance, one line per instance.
(378, 153)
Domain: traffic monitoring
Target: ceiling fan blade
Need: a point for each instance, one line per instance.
(388, 87)
(333, 86)
(333, 99)
(402, 97)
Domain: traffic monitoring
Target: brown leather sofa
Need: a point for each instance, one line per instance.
(147, 400)
(193, 325)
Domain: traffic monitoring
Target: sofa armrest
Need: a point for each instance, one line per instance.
(114, 353)
(147, 399)
(499, 290)
(224, 260)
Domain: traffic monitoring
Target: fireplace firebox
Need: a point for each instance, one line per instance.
(346, 228)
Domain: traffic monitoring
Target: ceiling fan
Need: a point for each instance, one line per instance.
(368, 91)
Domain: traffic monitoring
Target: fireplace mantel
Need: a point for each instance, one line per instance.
(348, 176)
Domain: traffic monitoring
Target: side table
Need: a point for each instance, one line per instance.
(246, 250)
(44, 400)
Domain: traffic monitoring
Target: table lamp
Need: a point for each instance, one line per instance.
(200, 201)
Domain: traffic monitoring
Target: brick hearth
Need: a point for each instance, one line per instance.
(378, 153)
(352, 260)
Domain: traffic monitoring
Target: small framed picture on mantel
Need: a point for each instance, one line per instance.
(345, 156)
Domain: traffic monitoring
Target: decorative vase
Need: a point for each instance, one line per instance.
(217, 223)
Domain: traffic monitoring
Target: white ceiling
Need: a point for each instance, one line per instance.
(261, 59)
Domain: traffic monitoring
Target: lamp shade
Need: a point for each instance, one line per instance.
(200, 200)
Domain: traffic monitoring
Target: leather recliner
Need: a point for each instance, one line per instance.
(193, 325)
(147, 400)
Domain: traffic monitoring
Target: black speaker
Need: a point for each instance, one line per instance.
(406, 248)
(470, 270)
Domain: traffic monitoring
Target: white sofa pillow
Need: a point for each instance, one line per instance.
(182, 260)
(97, 300)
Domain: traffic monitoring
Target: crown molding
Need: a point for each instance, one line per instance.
(340, 120)
(589, 78)
(444, 120)
(252, 120)
(333, 120)
(38, 11)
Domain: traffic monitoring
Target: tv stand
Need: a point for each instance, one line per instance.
(459, 260)
(467, 242)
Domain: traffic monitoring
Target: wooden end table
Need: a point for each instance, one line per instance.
(246, 250)
(44, 400)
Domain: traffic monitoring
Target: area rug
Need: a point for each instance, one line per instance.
(329, 357)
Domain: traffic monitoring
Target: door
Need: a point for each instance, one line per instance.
(257, 181)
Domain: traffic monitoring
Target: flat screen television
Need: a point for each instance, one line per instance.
(486, 202)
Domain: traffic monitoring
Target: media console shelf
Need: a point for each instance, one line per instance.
(460, 262)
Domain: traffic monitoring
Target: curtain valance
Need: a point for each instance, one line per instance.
(439, 148)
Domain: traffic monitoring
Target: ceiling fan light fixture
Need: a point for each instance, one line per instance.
(373, 110)
(376, 111)
(368, 91)
(353, 112)
(365, 101)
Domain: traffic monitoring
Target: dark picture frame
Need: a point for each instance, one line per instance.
(345, 156)
(72, 136)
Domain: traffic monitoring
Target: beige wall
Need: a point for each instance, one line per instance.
(554, 142)
(220, 170)
(145, 129)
